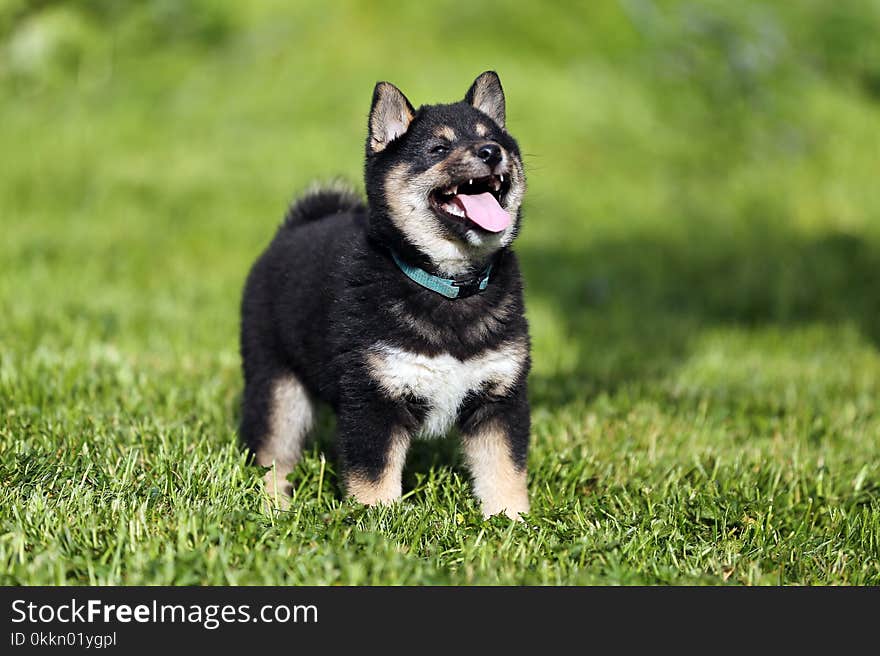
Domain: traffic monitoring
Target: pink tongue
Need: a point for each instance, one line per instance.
(485, 211)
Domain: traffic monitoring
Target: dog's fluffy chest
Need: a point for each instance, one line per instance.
(443, 381)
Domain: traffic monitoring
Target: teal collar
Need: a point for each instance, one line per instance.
(448, 287)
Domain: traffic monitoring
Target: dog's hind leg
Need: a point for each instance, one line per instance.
(278, 415)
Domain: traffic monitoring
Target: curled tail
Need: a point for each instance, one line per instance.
(319, 202)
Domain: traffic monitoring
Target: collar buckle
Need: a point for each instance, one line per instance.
(468, 287)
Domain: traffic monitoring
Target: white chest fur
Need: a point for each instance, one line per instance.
(442, 380)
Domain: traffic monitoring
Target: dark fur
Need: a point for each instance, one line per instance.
(326, 289)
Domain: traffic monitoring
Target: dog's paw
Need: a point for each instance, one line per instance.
(276, 492)
(511, 509)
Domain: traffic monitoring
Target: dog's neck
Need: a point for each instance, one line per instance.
(452, 288)
(465, 266)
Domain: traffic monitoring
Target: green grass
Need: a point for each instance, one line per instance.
(701, 252)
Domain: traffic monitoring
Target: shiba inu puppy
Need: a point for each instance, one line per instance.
(404, 313)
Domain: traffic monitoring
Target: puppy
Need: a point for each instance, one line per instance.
(405, 314)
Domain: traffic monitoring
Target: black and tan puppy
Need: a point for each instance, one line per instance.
(404, 314)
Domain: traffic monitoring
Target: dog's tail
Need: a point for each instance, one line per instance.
(323, 200)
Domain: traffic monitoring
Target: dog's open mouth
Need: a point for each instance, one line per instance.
(477, 200)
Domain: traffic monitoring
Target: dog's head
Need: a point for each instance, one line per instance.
(445, 181)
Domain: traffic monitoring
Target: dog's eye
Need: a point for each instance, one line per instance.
(440, 150)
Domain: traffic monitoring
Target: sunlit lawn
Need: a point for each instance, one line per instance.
(702, 260)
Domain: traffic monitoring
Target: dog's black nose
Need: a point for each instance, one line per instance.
(489, 153)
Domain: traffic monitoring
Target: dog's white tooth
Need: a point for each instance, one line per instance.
(454, 189)
(471, 181)
(502, 177)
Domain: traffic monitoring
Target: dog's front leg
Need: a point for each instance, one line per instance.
(495, 439)
(373, 445)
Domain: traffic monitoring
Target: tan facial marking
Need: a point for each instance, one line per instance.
(515, 195)
(290, 418)
(388, 487)
(465, 157)
(407, 195)
(407, 198)
(481, 129)
(444, 132)
(498, 483)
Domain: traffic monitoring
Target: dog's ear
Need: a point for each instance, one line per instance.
(390, 116)
(487, 95)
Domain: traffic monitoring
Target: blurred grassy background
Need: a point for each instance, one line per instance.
(702, 229)
(690, 160)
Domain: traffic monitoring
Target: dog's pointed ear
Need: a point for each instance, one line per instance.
(487, 95)
(390, 116)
